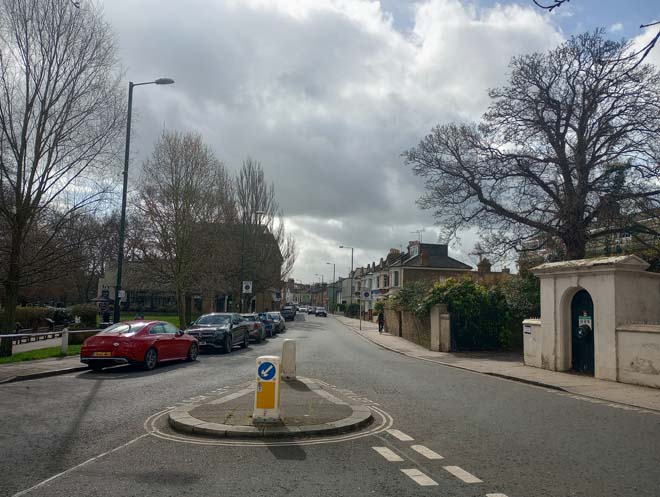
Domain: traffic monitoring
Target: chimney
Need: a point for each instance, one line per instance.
(483, 267)
(425, 257)
(394, 251)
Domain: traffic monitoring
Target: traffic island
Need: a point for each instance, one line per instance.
(307, 410)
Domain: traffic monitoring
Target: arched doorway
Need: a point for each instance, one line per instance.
(582, 332)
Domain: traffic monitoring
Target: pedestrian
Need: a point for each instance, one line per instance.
(381, 321)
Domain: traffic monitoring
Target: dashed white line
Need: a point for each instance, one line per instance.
(426, 452)
(462, 474)
(388, 454)
(418, 477)
(496, 495)
(400, 435)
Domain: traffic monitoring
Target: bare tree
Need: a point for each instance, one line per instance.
(268, 252)
(639, 54)
(61, 115)
(571, 144)
(184, 195)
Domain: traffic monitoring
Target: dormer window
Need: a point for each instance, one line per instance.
(414, 250)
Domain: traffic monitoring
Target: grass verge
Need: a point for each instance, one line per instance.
(33, 355)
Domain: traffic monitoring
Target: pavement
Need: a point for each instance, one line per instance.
(510, 366)
(30, 370)
(437, 430)
(307, 409)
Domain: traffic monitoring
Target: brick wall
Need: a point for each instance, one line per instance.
(416, 330)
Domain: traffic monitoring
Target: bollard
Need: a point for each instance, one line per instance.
(65, 341)
(267, 392)
(289, 359)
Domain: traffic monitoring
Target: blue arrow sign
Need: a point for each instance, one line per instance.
(266, 370)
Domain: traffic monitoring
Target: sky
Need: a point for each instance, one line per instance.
(327, 94)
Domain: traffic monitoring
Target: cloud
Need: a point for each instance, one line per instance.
(326, 94)
(616, 27)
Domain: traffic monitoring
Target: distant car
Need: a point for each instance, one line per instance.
(320, 311)
(220, 331)
(278, 321)
(268, 323)
(257, 328)
(311, 310)
(302, 309)
(288, 312)
(145, 343)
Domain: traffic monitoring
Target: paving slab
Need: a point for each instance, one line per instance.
(506, 365)
(307, 409)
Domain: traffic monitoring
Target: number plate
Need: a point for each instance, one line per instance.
(102, 354)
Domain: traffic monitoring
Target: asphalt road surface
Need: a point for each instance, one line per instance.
(453, 433)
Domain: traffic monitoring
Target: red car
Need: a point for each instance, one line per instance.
(138, 342)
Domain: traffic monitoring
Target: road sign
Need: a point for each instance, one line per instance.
(267, 393)
(266, 370)
(122, 294)
(247, 287)
(366, 294)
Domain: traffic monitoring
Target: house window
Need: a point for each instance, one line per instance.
(386, 281)
(396, 278)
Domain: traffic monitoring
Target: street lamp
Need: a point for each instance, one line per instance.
(259, 214)
(334, 291)
(345, 247)
(122, 224)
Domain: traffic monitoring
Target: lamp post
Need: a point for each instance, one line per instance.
(334, 293)
(259, 214)
(345, 247)
(122, 223)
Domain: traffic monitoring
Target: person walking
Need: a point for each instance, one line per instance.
(381, 321)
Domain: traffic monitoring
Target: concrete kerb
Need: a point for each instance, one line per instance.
(43, 374)
(504, 376)
(451, 365)
(180, 420)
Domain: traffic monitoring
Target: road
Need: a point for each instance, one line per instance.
(87, 432)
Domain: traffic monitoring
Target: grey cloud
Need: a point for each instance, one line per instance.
(326, 94)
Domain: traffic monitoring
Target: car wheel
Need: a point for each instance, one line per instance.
(228, 344)
(96, 367)
(150, 359)
(246, 341)
(193, 352)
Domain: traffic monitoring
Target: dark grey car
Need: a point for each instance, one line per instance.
(220, 330)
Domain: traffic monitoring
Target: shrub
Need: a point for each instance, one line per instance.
(479, 316)
(86, 312)
(411, 297)
(379, 306)
(353, 310)
(33, 317)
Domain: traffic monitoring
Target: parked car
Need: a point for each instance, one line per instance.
(268, 323)
(311, 310)
(320, 311)
(220, 330)
(257, 328)
(288, 312)
(278, 321)
(145, 343)
(302, 309)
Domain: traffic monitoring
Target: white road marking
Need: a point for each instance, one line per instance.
(400, 435)
(496, 495)
(418, 477)
(426, 452)
(462, 474)
(232, 396)
(78, 466)
(388, 454)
